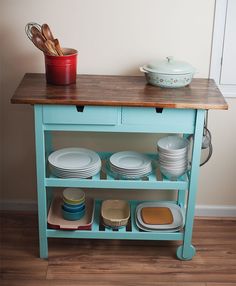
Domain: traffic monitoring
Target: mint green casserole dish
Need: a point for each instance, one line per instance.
(168, 73)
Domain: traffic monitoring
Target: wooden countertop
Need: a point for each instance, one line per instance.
(119, 91)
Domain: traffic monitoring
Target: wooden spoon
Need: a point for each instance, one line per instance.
(39, 42)
(51, 47)
(58, 47)
(47, 33)
(36, 31)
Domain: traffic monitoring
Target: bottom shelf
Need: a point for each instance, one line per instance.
(131, 231)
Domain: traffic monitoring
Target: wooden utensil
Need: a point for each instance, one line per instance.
(39, 42)
(58, 47)
(35, 31)
(51, 47)
(47, 33)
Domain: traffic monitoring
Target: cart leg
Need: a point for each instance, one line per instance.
(187, 251)
(48, 151)
(41, 188)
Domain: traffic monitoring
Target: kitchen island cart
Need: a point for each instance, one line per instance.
(121, 104)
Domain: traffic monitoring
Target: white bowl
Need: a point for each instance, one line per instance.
(173, 145)
(173, 158)
(174, 164)
(175, 168)
(172, 173)
(173, 154)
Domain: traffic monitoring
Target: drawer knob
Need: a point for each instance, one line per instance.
(80, 108)
(159, 110)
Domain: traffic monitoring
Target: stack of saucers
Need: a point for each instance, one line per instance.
(173, 156)
(73, 207)
(130, 164)
(74, 163)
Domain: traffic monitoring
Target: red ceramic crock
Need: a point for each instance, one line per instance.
(61, 70)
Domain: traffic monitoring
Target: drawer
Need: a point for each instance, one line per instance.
(166, 119)
(86, 115)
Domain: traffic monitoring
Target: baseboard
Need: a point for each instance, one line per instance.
(215, 211)
(201, 210)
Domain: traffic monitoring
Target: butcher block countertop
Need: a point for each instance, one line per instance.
(106, 90)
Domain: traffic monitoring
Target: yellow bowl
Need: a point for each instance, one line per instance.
(73, 195)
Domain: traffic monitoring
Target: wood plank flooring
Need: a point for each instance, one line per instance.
(104, 262)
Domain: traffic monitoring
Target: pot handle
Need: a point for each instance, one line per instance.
(143, 70)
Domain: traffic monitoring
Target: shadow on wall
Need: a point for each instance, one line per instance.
(18, 130)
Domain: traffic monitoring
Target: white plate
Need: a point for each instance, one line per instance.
(131, 172)
(156, 230)
(76, 174)
(91, 169)
(175, 210)
(73, 158)
(97, 165)
(130, 160)
(107, 170)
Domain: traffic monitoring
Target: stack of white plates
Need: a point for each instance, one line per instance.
(176, 212)
(74, 163)
(173, 156)
(130, 164)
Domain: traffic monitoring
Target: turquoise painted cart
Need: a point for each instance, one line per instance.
(118, 104)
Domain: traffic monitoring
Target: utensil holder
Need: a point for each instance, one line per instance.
(61, 70)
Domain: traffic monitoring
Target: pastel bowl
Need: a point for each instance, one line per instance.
(69, 203)
(73, 209)
(72, 215)
(173, 144)
(73, 195)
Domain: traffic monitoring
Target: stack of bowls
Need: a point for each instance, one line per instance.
(73, 207)
(173, 156)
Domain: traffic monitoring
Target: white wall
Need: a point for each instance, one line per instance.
(112, 37)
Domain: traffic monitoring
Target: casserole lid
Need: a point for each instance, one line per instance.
(169, 66)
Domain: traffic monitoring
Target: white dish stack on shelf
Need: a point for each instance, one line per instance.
(130, 164)
(74, 163)
(173, 156)
(159, 217)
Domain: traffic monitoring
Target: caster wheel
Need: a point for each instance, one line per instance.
(189, 255)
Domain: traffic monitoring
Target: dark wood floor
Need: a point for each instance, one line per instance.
(103, 262)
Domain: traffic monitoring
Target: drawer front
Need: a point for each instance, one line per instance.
(85, 115)
(163, 119)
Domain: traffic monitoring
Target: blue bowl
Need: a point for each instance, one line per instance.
(73, 209)
(72, 216)
(73, 205)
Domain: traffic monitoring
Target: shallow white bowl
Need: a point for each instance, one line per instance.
(171, 173)
(173, 145)
(174, 164)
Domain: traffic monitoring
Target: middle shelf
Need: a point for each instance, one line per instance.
(154, 180)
